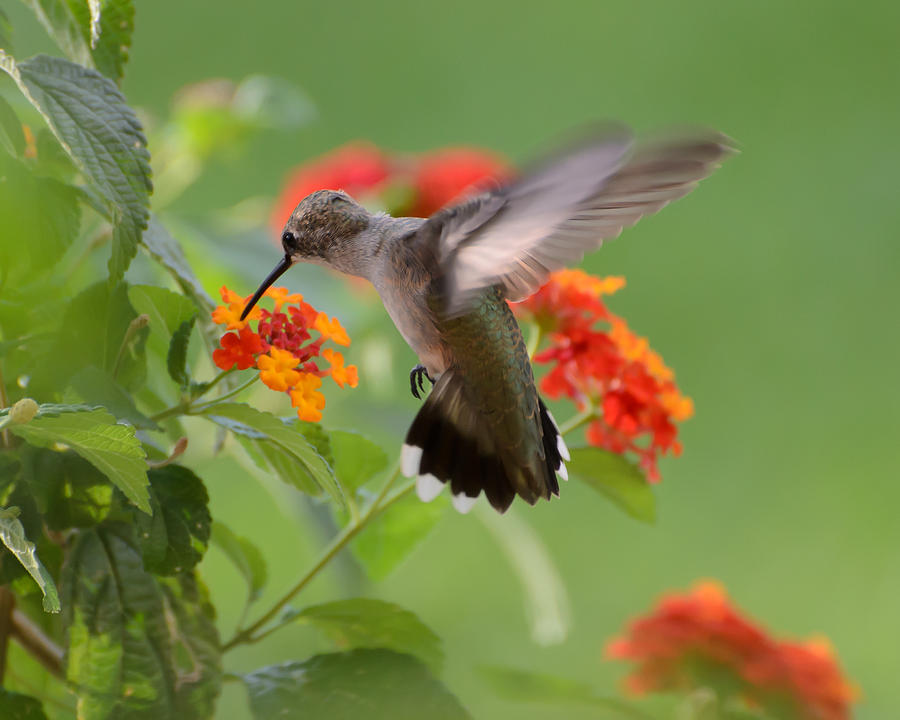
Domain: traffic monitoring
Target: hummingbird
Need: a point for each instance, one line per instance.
(445, 282)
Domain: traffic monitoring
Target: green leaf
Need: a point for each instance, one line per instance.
(284, 437)
(356, 459)
(175, 536)
(106, 27)
(41, 217)
(12, 137)
(92, 332)
(102, 135)
(167, 310)
(61, 24)
(68, 490)
(12, 534)
(533, 688)
(246, 557)
(5, 31)
(617, 478)
(138, 646)
(364, 683)
(113, 449)
(369, 623)
(97, 387)
(167, 252)
(176, 359)
(14, 706)
(392, 535)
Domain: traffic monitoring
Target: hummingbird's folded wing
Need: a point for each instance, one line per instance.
(551, 217)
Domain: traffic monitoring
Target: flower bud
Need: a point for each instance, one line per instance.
(23, 411)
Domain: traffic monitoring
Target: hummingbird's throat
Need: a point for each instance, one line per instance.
(279, 270)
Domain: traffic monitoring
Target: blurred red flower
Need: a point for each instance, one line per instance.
(599, 363)
(447, 175)
(356, 168)
(698, 639)
(401, 184)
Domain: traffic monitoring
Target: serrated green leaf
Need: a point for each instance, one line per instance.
(363, 683)
(286, 438)
(176, 358)
(392, 535)
(14, 706)
(102, 135)
(245, 556)
(617, 478)
(369, 623)
(167, 310)
(138, 646)
(65, 29)
(356, 459)
(167, 252)
(94, 386)
(317, 437)
(106, 27)
(175, 536)
(68, 490)
(534, 688)
(12, 535)
(113, 449)
(12, 137)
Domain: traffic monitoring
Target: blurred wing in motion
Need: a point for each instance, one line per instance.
(552, 216)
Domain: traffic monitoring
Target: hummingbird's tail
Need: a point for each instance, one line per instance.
(452, 442)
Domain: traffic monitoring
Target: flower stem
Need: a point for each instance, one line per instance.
(380, 503)
(226, 396)
(577, 421)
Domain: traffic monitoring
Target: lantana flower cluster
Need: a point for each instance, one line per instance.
(598, 362)
(282, 347)
(400, 184)
(699, 639)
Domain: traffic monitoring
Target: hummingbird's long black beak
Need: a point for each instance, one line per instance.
(279, 270)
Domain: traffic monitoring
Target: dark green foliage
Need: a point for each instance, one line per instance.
(175, 536)
(138, 646)
(176, 359)
(110, 51)
(14, 706)
(103, 136)
(372, 684)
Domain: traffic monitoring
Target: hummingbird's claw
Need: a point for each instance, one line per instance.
(417, 382)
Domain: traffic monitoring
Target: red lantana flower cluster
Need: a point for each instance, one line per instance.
(698, 639)
(598, 362)
(403, 185)
(282, 347)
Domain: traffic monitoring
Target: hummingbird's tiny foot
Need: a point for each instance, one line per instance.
(417, 382)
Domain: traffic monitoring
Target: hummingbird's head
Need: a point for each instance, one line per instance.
(322, 227)
(322, 230)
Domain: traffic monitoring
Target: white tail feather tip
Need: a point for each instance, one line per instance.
(410, 457)
(562, 472)
(562, 449)
(428, 487)
(463, 503)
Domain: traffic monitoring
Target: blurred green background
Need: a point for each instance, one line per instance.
(772, 291)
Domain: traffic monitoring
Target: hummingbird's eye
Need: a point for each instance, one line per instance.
(288, 240)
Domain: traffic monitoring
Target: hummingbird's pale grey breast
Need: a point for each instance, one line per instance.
(445, 281)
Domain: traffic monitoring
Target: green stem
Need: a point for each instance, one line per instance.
(351, 530)
(226, 396)
(4, 401)
(185, 407)
(577, 421)
(215, 381)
